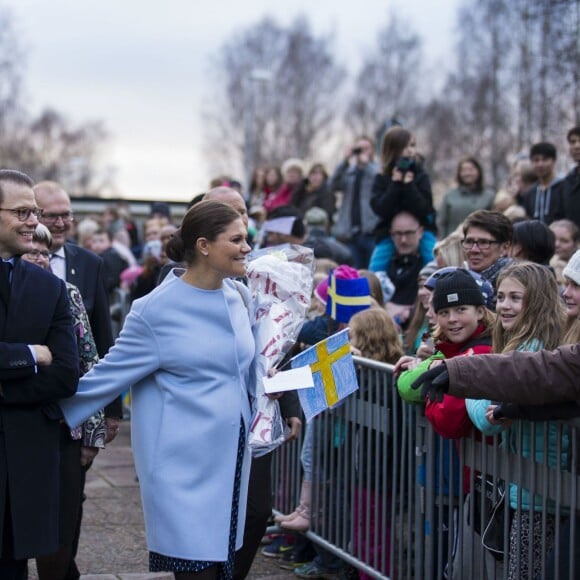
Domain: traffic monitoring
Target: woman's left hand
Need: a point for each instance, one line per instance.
(409, 176)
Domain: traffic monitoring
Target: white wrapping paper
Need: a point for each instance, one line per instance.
(280, 281)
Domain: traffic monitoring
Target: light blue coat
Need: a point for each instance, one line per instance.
(186, 353)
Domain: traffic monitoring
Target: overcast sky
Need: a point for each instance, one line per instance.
(141, 67)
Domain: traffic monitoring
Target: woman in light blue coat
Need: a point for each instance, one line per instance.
(186, 350)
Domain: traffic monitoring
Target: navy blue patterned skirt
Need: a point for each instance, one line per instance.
(161, 563)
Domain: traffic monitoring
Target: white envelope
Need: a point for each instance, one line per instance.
(300, 378)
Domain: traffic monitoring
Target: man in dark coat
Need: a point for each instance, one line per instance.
(38, 366)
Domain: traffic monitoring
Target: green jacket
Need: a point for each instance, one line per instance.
(407, 378)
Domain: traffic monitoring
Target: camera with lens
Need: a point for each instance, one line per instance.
(406, 164)
(357, 150)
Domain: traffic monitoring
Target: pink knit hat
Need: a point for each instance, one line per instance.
(342, 272)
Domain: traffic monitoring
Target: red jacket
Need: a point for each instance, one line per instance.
(449, 418)
(282, 197)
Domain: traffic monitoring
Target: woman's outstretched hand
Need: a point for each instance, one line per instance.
(434, 383)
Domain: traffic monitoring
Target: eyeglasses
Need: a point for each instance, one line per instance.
(405, 234)
(23, 213)
(482, 243)
(35, 254)
(51, 218)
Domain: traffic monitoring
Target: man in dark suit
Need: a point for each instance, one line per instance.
(80, 267)
(38, 366)
(84, 269)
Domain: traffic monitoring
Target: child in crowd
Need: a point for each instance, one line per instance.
(419, 325)
(373, 335)
(530, 316)
(343, 282)
(449, 251)
(463, 327)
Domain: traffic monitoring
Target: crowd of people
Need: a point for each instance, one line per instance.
(485, 272)
(482, 272)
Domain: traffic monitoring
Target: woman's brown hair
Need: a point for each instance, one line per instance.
(392, 147)
(206, 219)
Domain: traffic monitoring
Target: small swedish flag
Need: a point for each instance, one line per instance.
(332, 370)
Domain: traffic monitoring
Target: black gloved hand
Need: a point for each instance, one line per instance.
(434, 383)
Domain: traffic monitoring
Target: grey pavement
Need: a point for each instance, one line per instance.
(112, 544)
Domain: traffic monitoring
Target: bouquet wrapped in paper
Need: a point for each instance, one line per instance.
(280, 281)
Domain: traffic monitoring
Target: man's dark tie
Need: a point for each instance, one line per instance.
(5, 270)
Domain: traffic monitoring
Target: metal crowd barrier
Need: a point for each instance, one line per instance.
(395, 500)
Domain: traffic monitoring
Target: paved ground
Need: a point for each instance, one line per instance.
(112, 542)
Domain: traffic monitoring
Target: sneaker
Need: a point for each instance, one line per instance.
(313, 570)
(278, 547)
(292, 560)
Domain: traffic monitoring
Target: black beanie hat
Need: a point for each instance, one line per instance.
(456, 289)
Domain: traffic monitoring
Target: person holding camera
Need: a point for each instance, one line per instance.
(402, 186)
(356, 221)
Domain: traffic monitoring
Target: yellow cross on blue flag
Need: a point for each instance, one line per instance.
(346, 297)
(332, 370)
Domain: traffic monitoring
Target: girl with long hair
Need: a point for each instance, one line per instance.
(530, 317)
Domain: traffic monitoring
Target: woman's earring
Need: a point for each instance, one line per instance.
(204, 253)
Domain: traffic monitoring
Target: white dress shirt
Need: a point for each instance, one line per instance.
(58, 264)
